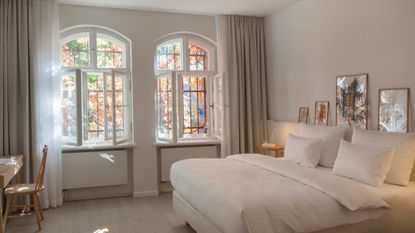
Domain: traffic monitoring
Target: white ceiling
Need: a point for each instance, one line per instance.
(204, 7)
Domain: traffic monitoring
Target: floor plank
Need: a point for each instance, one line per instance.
(109, 215)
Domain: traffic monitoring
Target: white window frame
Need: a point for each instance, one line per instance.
(210, 46)
(81, 79)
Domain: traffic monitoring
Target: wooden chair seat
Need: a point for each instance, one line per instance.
(22, 189)
(31, 190)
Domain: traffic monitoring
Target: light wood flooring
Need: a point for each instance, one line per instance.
(110, 215)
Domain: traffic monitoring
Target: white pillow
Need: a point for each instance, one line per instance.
(304, 151)
(330, 136)
(365, 164)
(404, 154)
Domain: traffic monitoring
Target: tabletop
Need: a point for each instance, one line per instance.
(9, 170)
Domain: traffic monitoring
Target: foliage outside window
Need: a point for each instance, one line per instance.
(96, 87)
(185, 86)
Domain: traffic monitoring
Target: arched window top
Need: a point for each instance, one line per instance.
(185, 52)
(94, 47)
(198, 58)
(169, 55)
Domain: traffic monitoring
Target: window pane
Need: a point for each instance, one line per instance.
(120, 104)
(169, 56)
(194, 106)
(110, 52)
(108, 106)
(198, 58)
(69, 106)
(165, 107)
(75, 52)
(95, 106)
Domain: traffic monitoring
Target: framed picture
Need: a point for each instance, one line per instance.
(303, 115)
(393, 110)
(352, 100)
(321, 114)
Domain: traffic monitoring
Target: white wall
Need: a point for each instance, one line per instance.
(143, 28)
(312, 42)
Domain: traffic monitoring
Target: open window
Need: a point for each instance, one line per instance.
(185, 71)
(96, 87)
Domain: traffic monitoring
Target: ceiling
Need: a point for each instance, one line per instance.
(205, 7)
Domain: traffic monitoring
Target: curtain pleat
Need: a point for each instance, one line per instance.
(244, 66)
(14, 81)
(29, 89)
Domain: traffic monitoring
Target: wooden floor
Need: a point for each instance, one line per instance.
(115, 215)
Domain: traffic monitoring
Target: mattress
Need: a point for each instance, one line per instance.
(397, 219)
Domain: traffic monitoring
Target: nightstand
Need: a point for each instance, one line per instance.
(263, 149)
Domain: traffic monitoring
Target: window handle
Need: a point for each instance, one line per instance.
(212, 106)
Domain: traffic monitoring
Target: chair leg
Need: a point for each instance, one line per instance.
(40, 206)
(36, 204)
(7, 211)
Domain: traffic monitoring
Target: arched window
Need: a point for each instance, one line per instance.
(185, 68)
(96, 93)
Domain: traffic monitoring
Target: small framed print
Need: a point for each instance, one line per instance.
(321, 114)
(393, 110)
(303, 115)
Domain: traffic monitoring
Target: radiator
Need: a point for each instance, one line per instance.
(94, 169)
(172, 155)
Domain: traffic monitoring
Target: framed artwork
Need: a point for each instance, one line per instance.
(321, 114)
(352, 100)
(303, 115)
(393, 110)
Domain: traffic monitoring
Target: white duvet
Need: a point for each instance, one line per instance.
(260, 194)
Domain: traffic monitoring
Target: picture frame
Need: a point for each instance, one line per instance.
(303, 115)
(321, 113)
(393, 110)
(352, 100)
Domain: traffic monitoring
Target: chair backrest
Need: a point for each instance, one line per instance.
(41, 174)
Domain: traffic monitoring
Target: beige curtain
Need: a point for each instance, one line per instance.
(29, 89)
(241, 48)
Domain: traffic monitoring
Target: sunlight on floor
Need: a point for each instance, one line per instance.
(103, 230)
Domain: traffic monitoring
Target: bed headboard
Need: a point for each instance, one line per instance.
(280, 131)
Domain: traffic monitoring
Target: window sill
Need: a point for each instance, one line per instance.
(162, 144)
(97, 147)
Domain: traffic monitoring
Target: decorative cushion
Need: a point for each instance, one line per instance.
(304, 151)
(330, 136)
(404, 153)
(364, 164)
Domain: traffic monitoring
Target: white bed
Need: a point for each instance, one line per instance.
(254, 193)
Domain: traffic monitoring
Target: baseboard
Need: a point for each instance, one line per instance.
(145, 193)
(91, 197)
(97, 192)
(166, 187)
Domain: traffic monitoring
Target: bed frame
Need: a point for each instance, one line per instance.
(197, 221)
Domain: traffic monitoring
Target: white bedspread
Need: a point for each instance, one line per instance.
(260, 194)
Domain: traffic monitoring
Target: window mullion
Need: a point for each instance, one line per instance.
(104, 89)
(114, 127)
(209, 104)
(93, 42)
(78, 107)
(84, 106)
(180, 105)
(175, 107)
(186, 59)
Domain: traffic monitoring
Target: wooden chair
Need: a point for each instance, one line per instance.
(32, 190)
